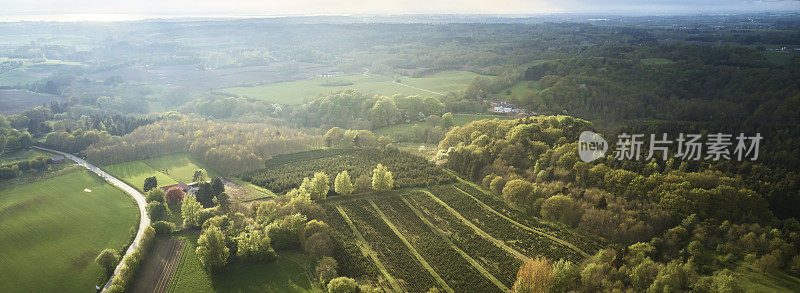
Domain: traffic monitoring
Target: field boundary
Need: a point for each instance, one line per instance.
(411, 248)
(518, 224)
(480, 232)
(367, 250)
(463, 254)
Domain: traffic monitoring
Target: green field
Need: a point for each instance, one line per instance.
(51, 231)
(31, 72)
(458, 120)
(279, 275)
(296, 92)
(133, 173)
(656, 61)
(22, 155)
(520, 89)
(169, 169)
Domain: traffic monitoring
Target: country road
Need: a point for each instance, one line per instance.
(144, 221)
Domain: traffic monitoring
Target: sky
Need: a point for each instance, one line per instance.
(136, 9)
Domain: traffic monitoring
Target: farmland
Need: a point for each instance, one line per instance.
(280, 175)
(52, 230)
(296, 92)
(169, 169)
(16, 100)
(281, 275)
(439, 237)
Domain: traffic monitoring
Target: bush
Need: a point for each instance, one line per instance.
(343, 285)
(131, 262)
(158, 211)
(155, 195)
(108, 259)
(163, 227)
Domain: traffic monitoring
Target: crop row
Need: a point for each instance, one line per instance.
(497, 261)
(588, 244)
(524, 241)
(399, 261)
(346, 251)
(409, 171)
(456, 271)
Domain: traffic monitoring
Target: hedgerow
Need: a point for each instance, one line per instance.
(131, 262)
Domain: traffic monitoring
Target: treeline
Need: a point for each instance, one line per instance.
(14, 170)
(11, 138)
(74, 141)
(229, 147)
(531, 163)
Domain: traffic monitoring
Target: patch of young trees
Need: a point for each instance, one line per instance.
(408, 171)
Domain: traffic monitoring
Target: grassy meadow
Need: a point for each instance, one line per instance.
(280, 275)
(51, 231)
(22, 155)
(458, 120)
(296, 92)
(169, 169)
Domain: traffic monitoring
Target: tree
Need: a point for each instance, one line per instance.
(205, 195)
(333, 137)
(150, 183)
(158, 211)
(535, 275)
(363, 183)
(561, 208)
(156, 195)
(342, 285)
(518, 192)
(163, 227)
(318, 244)
(319, 187)
(326, 269)
(382, 179)
(254, 244)
(108, 259)
(342, 184)
(217, 186)
(211, 248)
(190, 210)
(174, 195)
(447, 121)
(200, 176)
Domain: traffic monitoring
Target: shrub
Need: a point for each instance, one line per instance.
(155, 195)
(342, 285)
(163, 227)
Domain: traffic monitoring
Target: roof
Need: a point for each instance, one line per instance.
(180, 184)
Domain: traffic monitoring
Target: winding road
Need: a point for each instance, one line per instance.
(144, 221)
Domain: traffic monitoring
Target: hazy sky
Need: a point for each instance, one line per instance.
(316, 7)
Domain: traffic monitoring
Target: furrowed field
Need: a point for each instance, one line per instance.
(295, 92)
(51, 231)
(443, 236)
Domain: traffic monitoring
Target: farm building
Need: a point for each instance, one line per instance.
(188, 188)
(56, 160)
